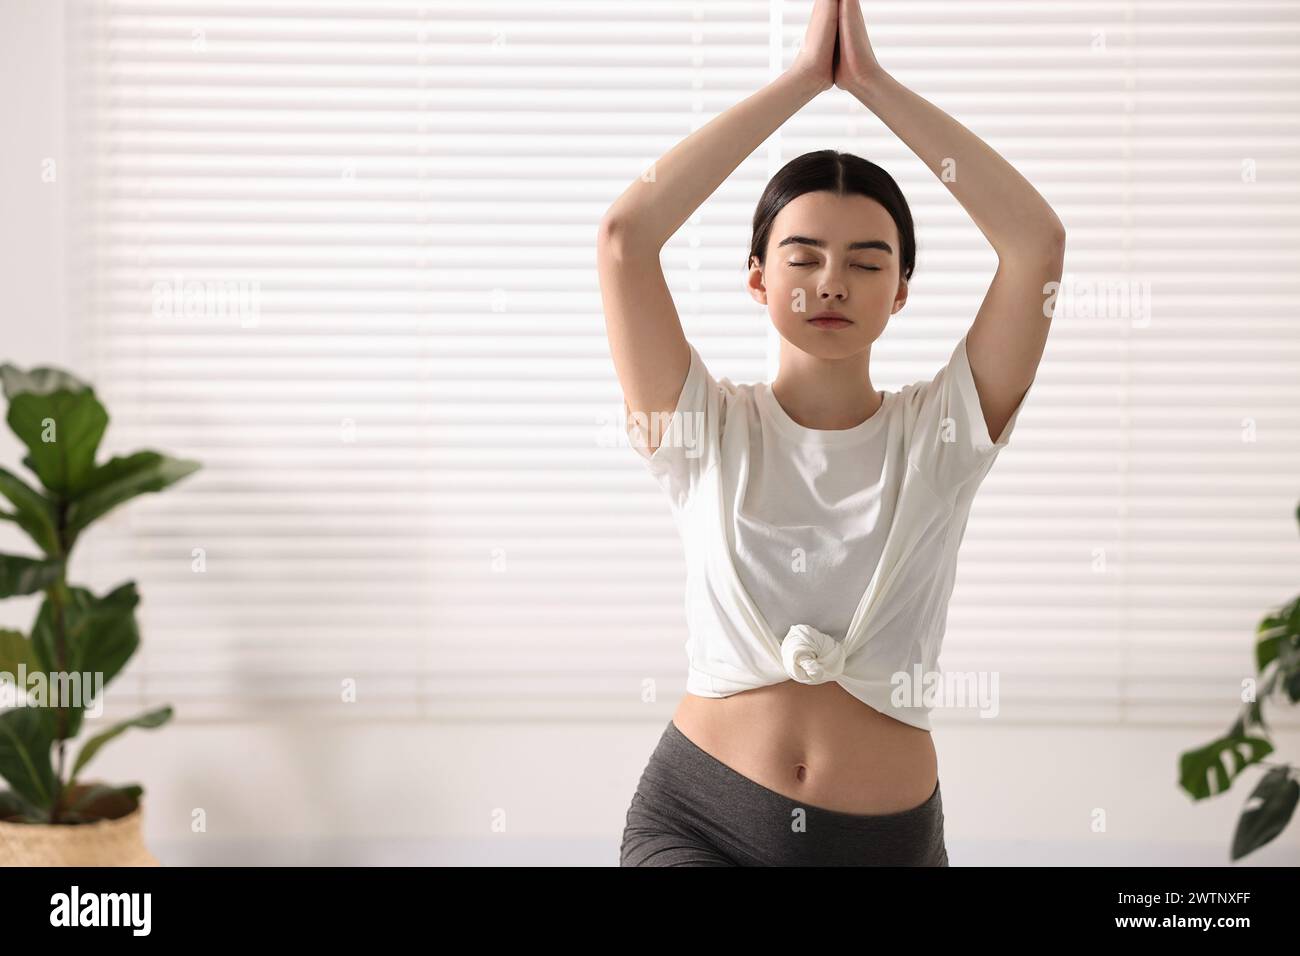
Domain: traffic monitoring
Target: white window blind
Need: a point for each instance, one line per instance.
(389, 356)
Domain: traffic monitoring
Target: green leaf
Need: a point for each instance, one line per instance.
(34, 514)
(119, 480)
(109, 636)
(45, 633)
(100, 637)
(1276, 631)
(154, 718)
(15, 649)
(1211, 769)
(99, 801)
(25, 756)
(19, 575)
(1286, 671)
(59, 419)
(15, 809)
(40, 381)
(89, 622)
(1277, 795)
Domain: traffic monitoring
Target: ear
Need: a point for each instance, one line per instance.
(900, 299)
(755, 283)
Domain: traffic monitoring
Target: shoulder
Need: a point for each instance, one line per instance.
(910, 400)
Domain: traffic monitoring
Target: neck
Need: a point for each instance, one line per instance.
(826, 394)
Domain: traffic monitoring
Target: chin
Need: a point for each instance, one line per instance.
(840, 343)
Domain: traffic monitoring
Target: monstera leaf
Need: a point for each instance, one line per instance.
(1210, 770)
(1277, 633)
(1277, 795)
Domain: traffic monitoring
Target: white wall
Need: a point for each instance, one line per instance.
(419, 793)
(413, 792)
(31, 229)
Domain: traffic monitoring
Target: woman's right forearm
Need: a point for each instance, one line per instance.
(654, 207)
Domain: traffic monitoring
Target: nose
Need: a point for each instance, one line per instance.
(831, 287)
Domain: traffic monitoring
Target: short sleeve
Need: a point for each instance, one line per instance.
(950, 440)
(688, 439)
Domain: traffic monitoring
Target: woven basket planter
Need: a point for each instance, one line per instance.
(118, 842)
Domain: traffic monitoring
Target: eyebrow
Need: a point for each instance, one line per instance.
(821, 243)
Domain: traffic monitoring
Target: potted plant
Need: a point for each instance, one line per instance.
(49, 815)
(1210, 770)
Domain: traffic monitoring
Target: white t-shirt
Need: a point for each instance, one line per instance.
(818, 555)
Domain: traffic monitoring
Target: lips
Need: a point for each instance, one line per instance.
(829, 320)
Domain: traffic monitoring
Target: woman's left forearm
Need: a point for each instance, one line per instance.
(1014, 217)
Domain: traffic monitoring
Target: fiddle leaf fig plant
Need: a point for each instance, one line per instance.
(78, 638)
(1211, 769)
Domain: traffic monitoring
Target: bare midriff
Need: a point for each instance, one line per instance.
(816, 743)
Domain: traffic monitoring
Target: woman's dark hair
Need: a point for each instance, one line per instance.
(844, 174)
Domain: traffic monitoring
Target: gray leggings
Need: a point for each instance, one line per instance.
(691, 809)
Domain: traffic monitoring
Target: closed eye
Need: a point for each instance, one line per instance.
(855, 265)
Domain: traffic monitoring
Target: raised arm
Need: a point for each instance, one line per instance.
(1006, 341)
(649, 349)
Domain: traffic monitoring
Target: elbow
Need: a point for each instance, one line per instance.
(609, 234)
(1050, 238)
(1057, 236)
(1054, 237)
(616, 237)
(1045, 246)
(1053, 246)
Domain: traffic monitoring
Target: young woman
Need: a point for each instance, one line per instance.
(804, 737)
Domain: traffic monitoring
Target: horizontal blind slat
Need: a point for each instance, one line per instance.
(415, 387)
